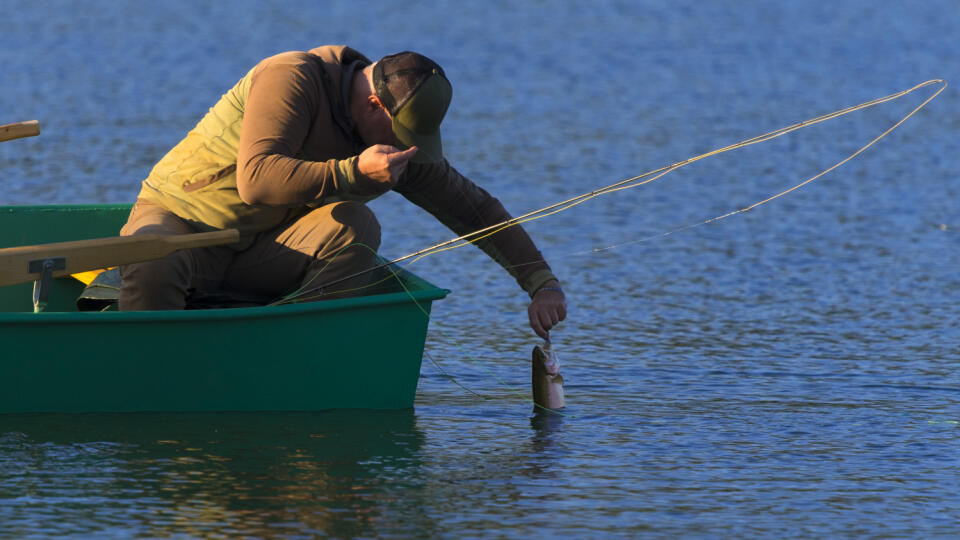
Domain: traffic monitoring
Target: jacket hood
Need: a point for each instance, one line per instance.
(334, 61)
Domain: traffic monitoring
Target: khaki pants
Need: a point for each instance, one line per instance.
(307, 251)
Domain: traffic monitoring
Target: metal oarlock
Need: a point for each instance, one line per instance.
(41, 287)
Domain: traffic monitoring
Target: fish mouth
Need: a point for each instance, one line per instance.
(551, 368)
(547, 360)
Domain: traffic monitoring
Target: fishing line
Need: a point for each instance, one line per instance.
(451, 377)
(659, 173)
(650, 176)
(772, 135)
(317, 292)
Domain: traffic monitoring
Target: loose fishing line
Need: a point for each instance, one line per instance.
(648, 177)
(308, 292)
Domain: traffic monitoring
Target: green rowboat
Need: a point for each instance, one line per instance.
(362, 352)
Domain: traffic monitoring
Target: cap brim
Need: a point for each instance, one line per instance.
(416, 122)
(429, 146)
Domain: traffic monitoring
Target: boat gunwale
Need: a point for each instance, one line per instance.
(285, 310)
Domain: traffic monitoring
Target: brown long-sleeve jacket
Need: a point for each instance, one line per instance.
(283, 137)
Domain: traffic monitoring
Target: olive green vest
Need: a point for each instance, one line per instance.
(197, 179)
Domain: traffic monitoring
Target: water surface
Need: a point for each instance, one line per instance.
(785, 372)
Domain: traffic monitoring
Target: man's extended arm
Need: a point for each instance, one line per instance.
(465, 207)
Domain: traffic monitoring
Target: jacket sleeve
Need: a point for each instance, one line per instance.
(284, 98)
(465, 207)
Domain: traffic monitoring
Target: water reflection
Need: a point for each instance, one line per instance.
(332, 473)
(546, 423)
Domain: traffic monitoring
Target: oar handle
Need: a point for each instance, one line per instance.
(84, 255)
(29, 128)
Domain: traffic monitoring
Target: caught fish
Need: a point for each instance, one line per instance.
(547, 381)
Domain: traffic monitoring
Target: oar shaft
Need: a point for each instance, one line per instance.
(84, 255)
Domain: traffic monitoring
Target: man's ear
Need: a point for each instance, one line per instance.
(374, 103)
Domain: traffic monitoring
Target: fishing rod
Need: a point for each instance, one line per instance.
(646, 178)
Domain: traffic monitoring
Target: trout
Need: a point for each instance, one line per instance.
(547, 381)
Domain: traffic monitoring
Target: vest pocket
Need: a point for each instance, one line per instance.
(189, 186)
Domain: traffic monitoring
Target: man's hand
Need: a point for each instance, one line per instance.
(548, 307)
(383, 164)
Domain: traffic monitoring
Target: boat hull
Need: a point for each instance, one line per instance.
(362, 352)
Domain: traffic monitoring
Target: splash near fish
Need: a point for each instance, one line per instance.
(547, 381)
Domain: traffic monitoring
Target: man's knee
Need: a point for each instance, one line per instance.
(360, 225)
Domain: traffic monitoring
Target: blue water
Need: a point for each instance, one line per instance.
(787, 372)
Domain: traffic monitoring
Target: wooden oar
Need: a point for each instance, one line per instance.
(24, 264)
(29, 128)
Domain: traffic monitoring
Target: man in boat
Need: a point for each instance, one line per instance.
(288, 157)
